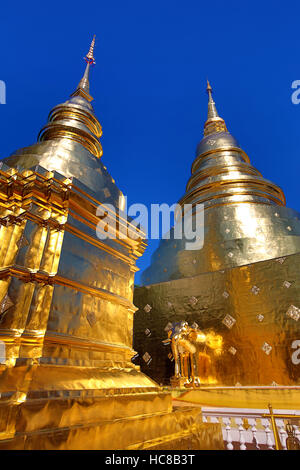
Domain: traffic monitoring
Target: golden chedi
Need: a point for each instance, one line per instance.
(66, 312)
(243, 284)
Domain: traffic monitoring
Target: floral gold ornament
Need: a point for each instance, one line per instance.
(267, 348)
(255, 290)
(228, 321)
(287, 284)
(293, 312)
(147, 357)
(193, 301)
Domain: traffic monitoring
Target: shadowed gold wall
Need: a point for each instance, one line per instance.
(259, 297)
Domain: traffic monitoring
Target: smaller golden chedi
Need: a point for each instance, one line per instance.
(243, 282)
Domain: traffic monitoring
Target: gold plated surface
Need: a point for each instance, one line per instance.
(66, 312)
(243, 283)
(282, 398)
(255, 308)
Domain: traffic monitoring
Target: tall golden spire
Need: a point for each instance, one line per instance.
(71, 136)
(212, 110)
(222, 173)
(83, 88)
(214, 122)
(75, 120)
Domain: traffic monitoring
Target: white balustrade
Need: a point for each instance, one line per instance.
(228, 437)
(254, 434)
(257, 434)
(282, 432)
(242, 437)
(269, 440)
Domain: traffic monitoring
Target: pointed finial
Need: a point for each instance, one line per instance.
(214, 122)
(89, 58)
(212, 110)
(83, 88)
(208, 88)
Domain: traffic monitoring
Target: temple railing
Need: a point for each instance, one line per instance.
(251, 429)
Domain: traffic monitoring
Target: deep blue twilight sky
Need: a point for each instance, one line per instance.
(149, 82)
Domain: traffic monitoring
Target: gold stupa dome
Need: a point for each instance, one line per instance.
(245, 218)
(69, 143)
(222, 172)
(241, 281)
(217, 140)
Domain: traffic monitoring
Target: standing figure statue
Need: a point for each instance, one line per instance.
(189, 348)
(292, 442)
